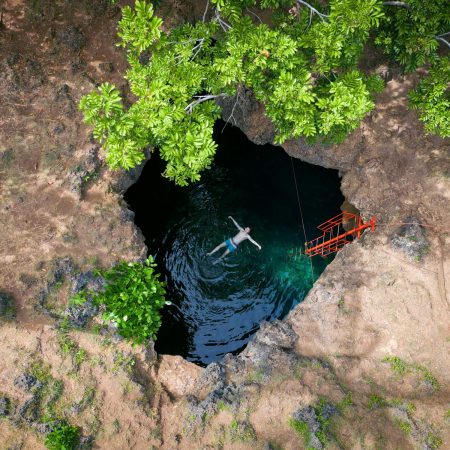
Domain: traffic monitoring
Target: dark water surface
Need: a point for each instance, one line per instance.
(217, 308)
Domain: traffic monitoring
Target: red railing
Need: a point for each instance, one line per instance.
(337, 232)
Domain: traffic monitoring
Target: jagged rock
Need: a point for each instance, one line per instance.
(411, 239)
(79, 315)
(87, 280)
(121, 179)
(28, 411)
(61, 267)
(272, 346)
(126, 215)
(47, 427)
(86, 443)
(81, 174)
(62, 93)
(150, 352)
(329, 410)
(177, 375)
(26, 382)
(5, 405)
(309, 416)
(276, 334)
(213, 377)
(72, 38)
(230, 395)
(246, 112)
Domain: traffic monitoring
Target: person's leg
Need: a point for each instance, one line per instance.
(222, 245)
(225, 253)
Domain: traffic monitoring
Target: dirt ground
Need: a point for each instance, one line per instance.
(388, 295)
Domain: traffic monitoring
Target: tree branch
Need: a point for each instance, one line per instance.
(256, 15)
(225, 26)
(206, 10)
(238, 96)
(312, 9)
(201, 99)
(401, 4)
(439, 38)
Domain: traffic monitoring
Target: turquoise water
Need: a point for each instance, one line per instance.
(218, 307)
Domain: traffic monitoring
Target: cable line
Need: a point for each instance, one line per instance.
(301, 215)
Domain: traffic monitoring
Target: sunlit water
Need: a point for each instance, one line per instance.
(218, 307)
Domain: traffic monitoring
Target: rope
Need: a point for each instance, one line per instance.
(301, 214)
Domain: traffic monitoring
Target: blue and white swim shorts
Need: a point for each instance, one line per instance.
(230, 244)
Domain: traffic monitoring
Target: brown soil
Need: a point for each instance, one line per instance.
(374, 301)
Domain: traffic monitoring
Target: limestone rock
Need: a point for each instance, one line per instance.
(177, 375)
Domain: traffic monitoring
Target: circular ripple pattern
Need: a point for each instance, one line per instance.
(218, 307)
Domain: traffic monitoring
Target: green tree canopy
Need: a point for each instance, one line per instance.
(303, 68)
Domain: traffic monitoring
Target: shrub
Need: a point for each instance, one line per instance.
(432, 99)
(65, 437)
(133, 298)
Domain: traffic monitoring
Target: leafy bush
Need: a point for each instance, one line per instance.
(411, 34)
(133, 298)
(65, 437)
(432, 98)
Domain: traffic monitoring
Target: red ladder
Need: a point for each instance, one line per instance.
(337, 232)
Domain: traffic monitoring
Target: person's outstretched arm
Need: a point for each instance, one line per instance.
(254, 242)
(238, 226)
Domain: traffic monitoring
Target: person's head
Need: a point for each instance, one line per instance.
(247, 229)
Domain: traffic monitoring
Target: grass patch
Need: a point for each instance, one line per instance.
(49, 393)
(241, 432)
(375, 401)
(302, 429)
(124, 362)
(68, 347)
(345, 402)
(401, 368)
(434, 441)
(405, 426)
(222, 406)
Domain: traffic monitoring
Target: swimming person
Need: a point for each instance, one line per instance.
(233, 242)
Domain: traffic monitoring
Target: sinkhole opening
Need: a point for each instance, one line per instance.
(218, 307)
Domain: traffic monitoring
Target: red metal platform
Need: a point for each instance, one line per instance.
(337, 232)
